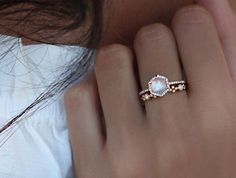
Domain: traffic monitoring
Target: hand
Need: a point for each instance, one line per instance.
(183, 135)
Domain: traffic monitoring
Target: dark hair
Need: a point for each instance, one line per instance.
(77, 13)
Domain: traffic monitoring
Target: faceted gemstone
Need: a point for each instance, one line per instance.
(159, 86)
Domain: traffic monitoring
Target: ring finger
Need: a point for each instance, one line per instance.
(157, 54)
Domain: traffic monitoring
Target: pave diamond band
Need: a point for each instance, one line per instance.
(159, 85)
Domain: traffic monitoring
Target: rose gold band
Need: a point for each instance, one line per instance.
(159, 86)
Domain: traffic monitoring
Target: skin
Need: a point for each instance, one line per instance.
(186, 134)
(141, 13)
(152, 11)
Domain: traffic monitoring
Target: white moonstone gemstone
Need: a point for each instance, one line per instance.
(159, 86)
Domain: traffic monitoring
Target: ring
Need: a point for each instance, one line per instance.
(159, 85)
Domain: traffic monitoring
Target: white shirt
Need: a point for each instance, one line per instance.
(39, 146)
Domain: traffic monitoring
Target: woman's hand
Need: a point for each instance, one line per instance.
(189, 134)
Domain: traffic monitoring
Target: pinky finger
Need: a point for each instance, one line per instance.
(83, 117)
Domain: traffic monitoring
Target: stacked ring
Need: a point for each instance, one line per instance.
(159, 85)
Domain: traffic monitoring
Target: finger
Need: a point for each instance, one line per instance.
(118, 89)
(83, 117)
(201, 52)
(157, 54)
(225, 21)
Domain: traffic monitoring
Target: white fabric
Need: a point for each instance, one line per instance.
(39, 146)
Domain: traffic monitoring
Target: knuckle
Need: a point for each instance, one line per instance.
(113, 58)
(152, 32)
(70, 94)
(191, 14)
(130, 169)
(77, 91)
(69, 98)
(172, 152)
